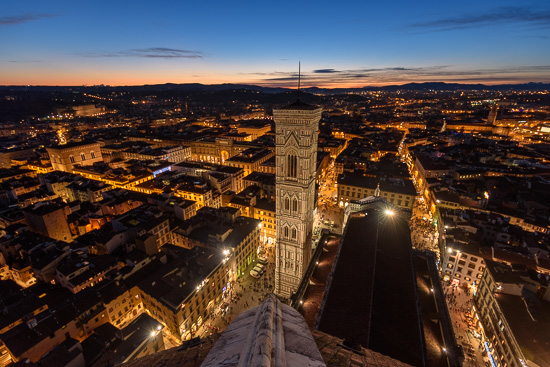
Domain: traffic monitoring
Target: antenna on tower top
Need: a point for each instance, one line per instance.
(299, 76)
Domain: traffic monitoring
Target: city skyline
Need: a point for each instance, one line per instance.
(352, 45)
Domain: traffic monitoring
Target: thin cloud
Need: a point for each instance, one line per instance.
(21, 61)
(23, 18)
(325, 71)
(150, 53)
(400, 75)
(504, 15)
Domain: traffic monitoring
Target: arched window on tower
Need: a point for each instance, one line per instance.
(285, 231)
(292, 165)
(287, 203)
(294, 205)
(294, 234)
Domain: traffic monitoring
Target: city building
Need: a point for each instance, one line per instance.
(170, 154)
(513, 308)
(254, 128)
(68, 156)
(265, 181)
(144, 223)
(11, 157)
(249, 160)
(216, 150)
(296, 128)
(183, 292)
(77, 274)
(50, 220)
(142, 337)
(81, 110)
(462, 264)
(225, 229)
(398, 192)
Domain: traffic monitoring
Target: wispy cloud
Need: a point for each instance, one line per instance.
(400, 75)
(325, 71)
(21, 61)
(503, 15)
(18, 19)
(151, 53)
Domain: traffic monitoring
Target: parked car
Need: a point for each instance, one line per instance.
(259, 269)
(254, 274)
(262, 260)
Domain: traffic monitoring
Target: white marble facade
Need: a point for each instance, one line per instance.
(296, 129)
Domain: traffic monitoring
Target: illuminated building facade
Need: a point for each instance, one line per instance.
(512, 308)
(68, 156)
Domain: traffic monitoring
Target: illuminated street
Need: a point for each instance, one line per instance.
(460, 306)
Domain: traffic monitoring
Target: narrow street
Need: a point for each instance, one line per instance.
(329, 215)
(247, 292)
(459, 302)
(423, 232)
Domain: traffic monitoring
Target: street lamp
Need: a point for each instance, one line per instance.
(389, 212)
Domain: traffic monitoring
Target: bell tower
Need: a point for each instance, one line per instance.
(296, 129)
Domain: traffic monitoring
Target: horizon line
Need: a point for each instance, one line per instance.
(259, 85)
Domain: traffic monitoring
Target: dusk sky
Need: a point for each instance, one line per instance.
(339, 43)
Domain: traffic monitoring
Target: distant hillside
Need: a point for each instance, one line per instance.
(196, 87)
(438, 86)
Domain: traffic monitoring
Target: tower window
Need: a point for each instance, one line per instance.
(292, 166)
(294, 205)
(294, 233)
(287, 204)
(83, 156)
(285, 230)
(71, 158)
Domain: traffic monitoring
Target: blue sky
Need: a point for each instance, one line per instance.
(339, 43)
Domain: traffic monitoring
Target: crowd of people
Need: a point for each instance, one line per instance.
(423, 232)
(460, 305)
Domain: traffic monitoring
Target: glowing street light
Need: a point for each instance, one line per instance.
(389, 212)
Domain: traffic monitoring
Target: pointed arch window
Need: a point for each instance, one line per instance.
(292, 165)
(294, 205)
(285, 231)
(287, 203)
(294, 233)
